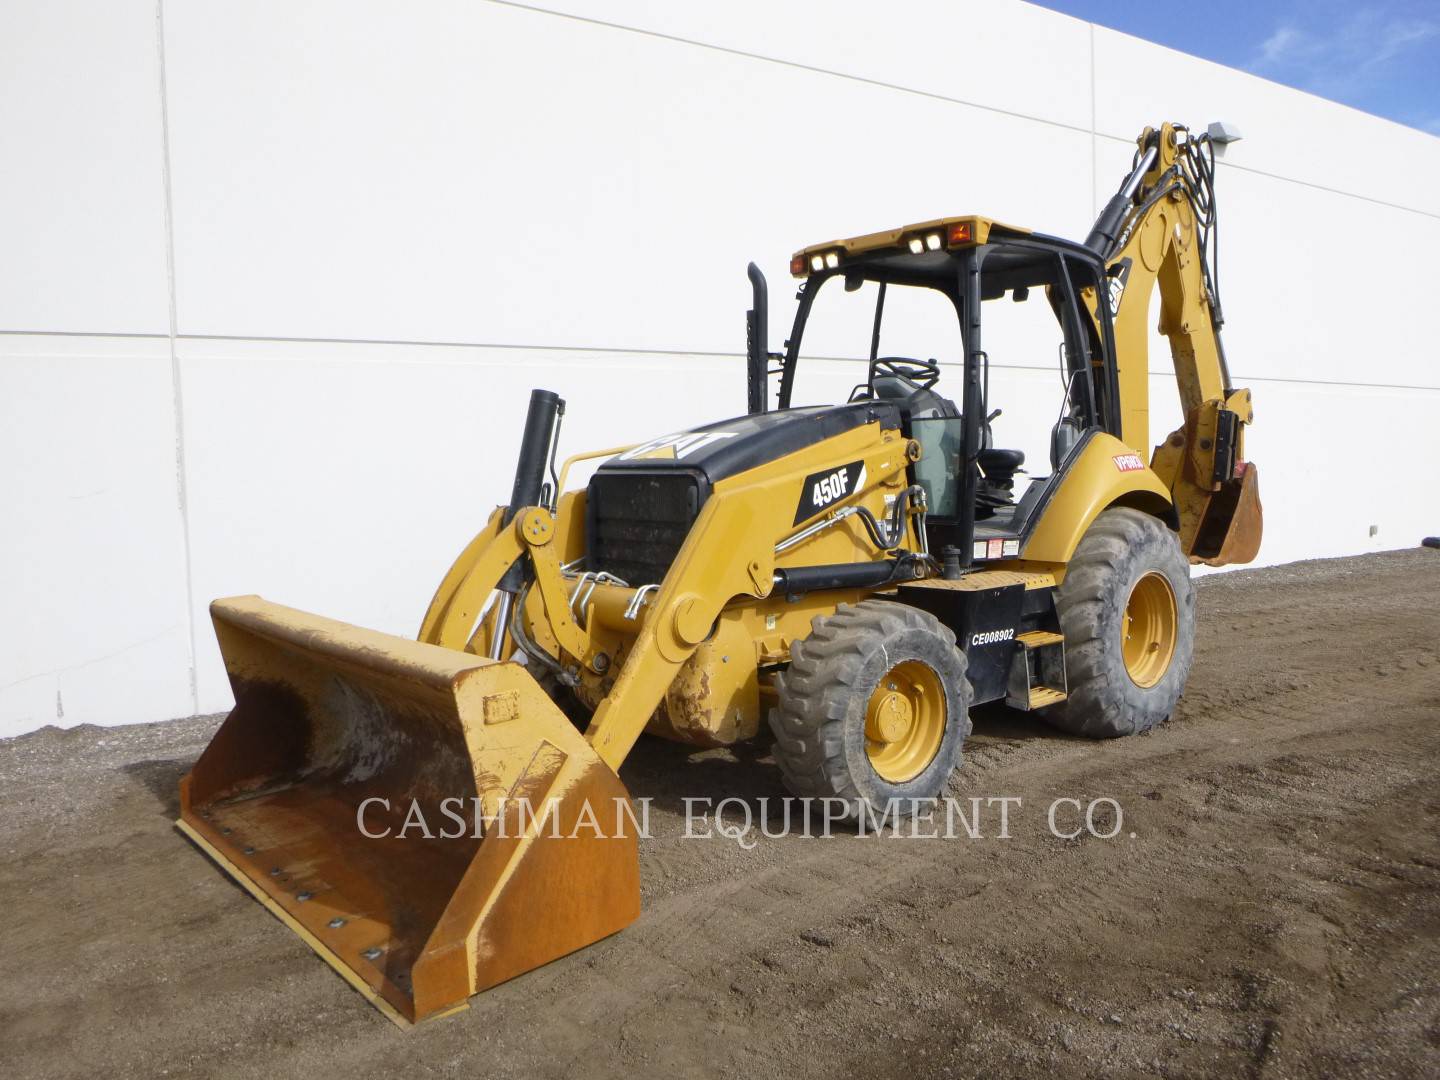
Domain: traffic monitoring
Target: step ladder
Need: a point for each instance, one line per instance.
(1037, 671)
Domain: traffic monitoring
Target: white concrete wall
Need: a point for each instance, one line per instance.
(275, 278)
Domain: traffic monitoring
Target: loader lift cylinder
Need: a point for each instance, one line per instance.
(546, 408)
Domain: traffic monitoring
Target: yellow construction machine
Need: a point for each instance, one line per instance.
(850, 577)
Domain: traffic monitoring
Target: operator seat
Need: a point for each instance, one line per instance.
(996, 462)
(995, 490)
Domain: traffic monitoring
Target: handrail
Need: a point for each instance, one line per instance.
(586, 456)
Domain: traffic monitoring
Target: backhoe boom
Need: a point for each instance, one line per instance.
(1158, 230)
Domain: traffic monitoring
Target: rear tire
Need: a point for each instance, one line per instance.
(874, 706)
(1127, 610)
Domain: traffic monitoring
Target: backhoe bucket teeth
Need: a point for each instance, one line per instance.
(336, 728)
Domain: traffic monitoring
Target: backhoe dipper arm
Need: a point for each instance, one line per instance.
(1159, 229)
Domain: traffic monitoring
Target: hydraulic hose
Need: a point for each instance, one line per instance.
(530, 649)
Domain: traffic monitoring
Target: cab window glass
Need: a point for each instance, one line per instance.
(916, 322)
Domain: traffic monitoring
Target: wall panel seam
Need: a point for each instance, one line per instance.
(643, 352)
(731, 50)
(177, 389)
(1094, 142)
(1091, 130)
(1296, 180)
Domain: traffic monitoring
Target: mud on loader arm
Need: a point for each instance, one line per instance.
(735, 520)
(676, 621)
(528, 543)
(729, 552)
(1158, 230)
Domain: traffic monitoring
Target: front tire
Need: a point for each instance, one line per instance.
(1127, 610)
(875, 706)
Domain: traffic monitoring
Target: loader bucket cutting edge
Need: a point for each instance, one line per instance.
(327, 716)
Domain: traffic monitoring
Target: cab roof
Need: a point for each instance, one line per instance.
(922, 254)
(947, 233)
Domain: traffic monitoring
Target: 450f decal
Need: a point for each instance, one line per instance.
(821, 489)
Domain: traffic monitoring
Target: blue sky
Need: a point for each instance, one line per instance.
(1381, 56)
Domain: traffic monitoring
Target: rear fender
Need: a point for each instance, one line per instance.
(1105, 473)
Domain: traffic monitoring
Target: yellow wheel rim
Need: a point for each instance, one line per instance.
(905, 721)
(1149, 629)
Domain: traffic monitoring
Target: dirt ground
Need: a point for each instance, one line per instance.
(1270, 905)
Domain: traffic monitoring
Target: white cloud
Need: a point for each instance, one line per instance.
(1281, 45)
(1398, 36)
(1346, 54)
(1363, 57)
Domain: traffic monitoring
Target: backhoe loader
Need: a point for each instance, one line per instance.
(851, 578)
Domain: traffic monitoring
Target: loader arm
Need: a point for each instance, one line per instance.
(743, 519)
(1157, 232)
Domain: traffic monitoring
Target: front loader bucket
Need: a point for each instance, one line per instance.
(335, 728)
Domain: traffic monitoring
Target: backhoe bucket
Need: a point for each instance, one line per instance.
(1234, 522)
(426, 820)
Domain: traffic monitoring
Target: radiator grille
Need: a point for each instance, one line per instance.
(636, 522)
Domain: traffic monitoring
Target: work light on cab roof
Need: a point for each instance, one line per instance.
(916, 239)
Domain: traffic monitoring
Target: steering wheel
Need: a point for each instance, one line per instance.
(922, 373)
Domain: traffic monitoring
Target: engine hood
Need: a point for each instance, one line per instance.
(730, 447)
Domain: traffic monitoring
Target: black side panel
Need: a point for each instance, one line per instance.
(636, 522)
(985, 622)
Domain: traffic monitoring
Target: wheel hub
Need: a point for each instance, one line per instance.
(905, 721)
(889, 717)
(1149, 629)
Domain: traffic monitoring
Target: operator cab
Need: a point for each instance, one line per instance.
(936, 421)
(1035, 297)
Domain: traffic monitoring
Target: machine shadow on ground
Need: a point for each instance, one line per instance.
(997, 722)
(161, 777)
(667, 773)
